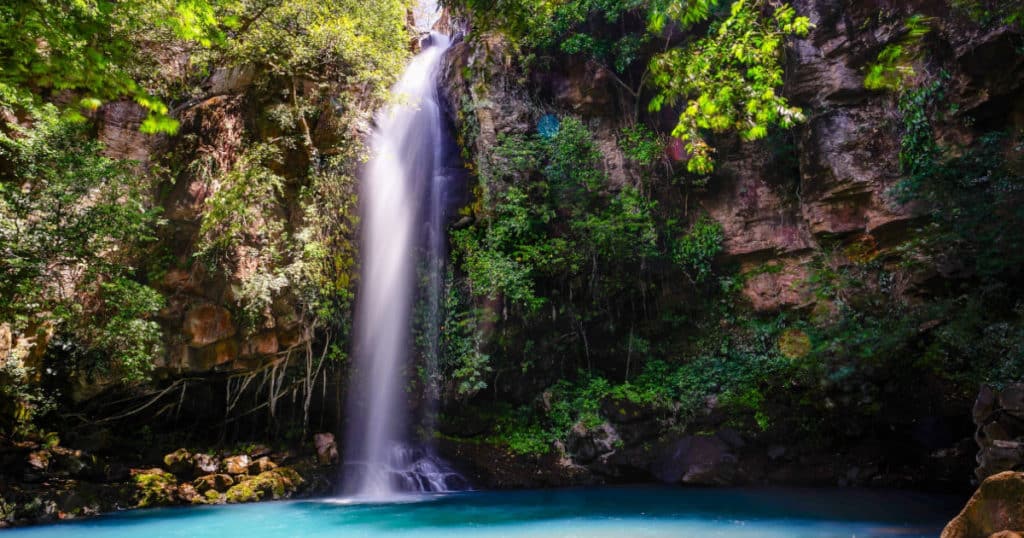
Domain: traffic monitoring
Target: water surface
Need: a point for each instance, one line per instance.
(600, 512)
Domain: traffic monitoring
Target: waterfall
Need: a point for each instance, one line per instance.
(401, 189)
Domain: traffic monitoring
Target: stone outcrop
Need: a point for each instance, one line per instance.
(995, 510)
(999, 416)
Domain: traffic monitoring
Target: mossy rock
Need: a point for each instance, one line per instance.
(179, 462)
(275, 484)
(212, 497)
(154, 487)
(217, 482)
(243, 493)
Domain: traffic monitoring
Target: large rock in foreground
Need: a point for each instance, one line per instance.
(997, 506)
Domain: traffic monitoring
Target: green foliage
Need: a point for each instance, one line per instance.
(344, 41)
(565, 26)
(963, 189)
(687, 12)
(71, 224)
(992, 12)
(642, 145)
(894, 66)
(730, 78)
(461, 358)
(93, 48)
(127, 334)
(554, 219)
(238, 209)
(695, 251)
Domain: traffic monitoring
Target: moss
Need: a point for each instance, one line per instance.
(211, 497)
(276, 484)
(243, 493)
(155, 487)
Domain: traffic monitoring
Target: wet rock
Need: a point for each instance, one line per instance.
(39, 459)
(997, 506)
(180, 462)
(237, 465)
(326, 448)
(187, 493)
(696, 460)
(154, 487)
(262, 465)
(205, 464)
(216, 482)
(587, 444)
(279, 483)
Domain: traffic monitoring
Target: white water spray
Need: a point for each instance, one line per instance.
(406, 169)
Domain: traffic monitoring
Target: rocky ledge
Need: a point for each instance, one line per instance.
(58, 483)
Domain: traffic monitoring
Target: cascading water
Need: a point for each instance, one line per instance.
(406, 169)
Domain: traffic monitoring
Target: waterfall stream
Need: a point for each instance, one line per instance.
(402, 189)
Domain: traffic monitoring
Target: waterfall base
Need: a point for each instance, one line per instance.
(407, 470)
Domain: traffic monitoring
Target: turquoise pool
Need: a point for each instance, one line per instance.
(598, 512)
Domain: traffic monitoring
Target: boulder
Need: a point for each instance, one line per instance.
(588, 444)
(696, 460)
(996, 507)
(326, 448)
(262, 465)
(187, 493)
(180, 462)
(154, 487)
(279, 483)
(236, 465)
(215, 482)
(205, 464)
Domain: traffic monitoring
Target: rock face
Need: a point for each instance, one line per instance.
(999, 416)
(996, 509)
(326, 448)
(206, 324)
(704, 460)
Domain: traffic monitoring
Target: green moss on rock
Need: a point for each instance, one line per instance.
(154, 487)
(274, 484)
